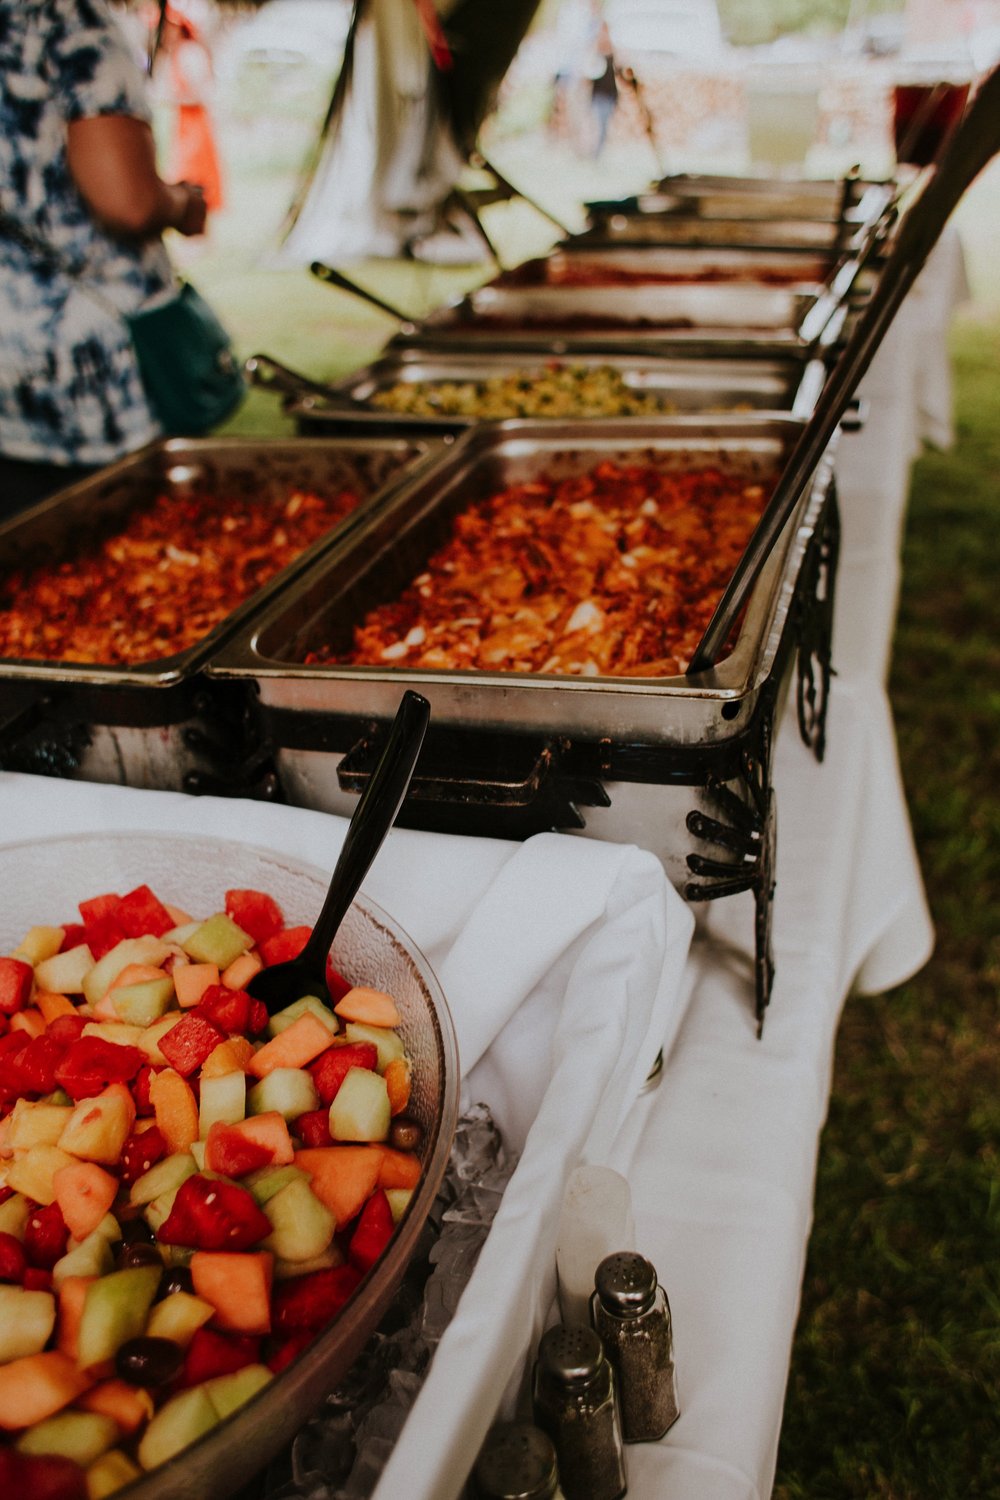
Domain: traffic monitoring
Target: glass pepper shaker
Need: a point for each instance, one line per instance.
(573, 1393)
(631, 1314)
(516, 1462)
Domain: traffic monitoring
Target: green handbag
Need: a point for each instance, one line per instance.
(192, 378)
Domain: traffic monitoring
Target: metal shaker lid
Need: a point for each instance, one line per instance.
(570, 1352)
(626, 1284)
(516, 1462)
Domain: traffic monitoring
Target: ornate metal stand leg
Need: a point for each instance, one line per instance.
(815, 628)
(746, 828)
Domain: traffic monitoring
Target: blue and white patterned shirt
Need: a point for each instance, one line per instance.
(70, 389)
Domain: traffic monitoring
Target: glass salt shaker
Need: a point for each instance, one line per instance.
(631, 1314)
(573, 1392)
(516, 1462)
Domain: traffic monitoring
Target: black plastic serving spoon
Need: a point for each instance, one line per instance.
(283, 984)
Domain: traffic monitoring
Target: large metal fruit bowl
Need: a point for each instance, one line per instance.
(42, 884)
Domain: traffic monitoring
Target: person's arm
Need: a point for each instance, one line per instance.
(112, 160)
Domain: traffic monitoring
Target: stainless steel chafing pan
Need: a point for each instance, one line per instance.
(382, 556)
(684, 386)
(142, 724)
(631, 223)
(670, 263)
(851, 199)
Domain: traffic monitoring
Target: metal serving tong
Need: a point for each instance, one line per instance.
(271, 375)
(972, 145)
(337, 278)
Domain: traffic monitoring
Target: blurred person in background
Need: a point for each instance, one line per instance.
(603, 88)
(194, 155)
(82, 211)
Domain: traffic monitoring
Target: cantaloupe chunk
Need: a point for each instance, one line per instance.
(36, 1386)
(397, 1081)
(240, 972)
(230, 1056)
(176, 1109)
(342, 1177)
(84, 1193)
(128, 1405)
(72, 1292)
(371, 1007)
(294, 1047)
(51, 1005)
(237, 1285)
(192, 980)
(135, 974)
(398, 1169)
(98, 1127)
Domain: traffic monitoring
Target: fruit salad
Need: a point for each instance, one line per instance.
(190, 1189)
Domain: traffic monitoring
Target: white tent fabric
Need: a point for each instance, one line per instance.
(389, 160)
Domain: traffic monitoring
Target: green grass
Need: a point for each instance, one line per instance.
(895, 1380)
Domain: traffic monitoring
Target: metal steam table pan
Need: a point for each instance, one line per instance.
(684, 386)
(381, 557)
(698, 317)
(632, 224)
(139, 723)
(850, 199)
(573, 263)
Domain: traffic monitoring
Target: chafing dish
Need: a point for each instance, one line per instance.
(851, 199)
(684, 386)
(146, 724)
(632, 223)
(572, 263)
(514, 753)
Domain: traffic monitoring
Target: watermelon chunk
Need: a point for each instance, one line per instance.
(91, 1063)
(233, 1012)
(186, 1045)
(257, 913)
(140, 912)
(308, 1302)
(211, 1214)
(16, 979)
(211, 1353)
(45, 1236)
(331, 1067)
(373, 1232)
(284, 945)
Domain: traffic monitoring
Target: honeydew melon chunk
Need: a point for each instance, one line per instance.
(282, 1019)
(198, 1151)
(328, 1260)
(141, 950)
(217, 940)
(163, 1176)
(143, 1003)
(109, 1227)
(148, 1040)
(178, 1318)
(14, 1215)
(91, 1257)
(157, 1212)
(229, 1392)
(111, 1472)
(399, 1199)
(267, 1181)
(289, 1092)
(222, 1098)
(302, 1226)
(360, 1110)
(38, 944)
(26, 1322)
(66, 973)
(389, 1044)
(36, 1124)
(115, 1310)
(115, 1032)
(32, 1173)
(80, 1435)
(183, 1419)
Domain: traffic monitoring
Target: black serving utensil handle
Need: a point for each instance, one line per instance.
(373, 817)
(973, 143)
(337, 278)
(271, 375)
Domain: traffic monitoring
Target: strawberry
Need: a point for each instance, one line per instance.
(212, 1353)
(12, 1259)
(332, 1066)
(210, 1214)
(187, 1044)
(45, 1236)
(258, 914)
(307, 1302)
(16, 979)
(91, 1063)
(373, 1232)
(140, 912)
(313, 1128)
(140, 1152)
